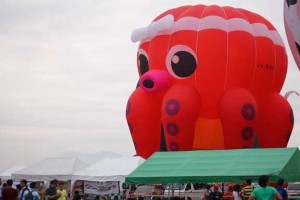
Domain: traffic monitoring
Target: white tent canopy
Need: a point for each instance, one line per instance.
(50, 168)
(109, 169)
(89, 158)
(6, 174)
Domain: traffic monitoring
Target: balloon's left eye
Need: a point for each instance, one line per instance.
(143, 62)
(181, 61)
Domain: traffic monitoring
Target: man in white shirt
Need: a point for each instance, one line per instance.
(24, 187)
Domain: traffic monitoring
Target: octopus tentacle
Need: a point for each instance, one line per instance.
(179, 116)
(276, 121)
(143, 118)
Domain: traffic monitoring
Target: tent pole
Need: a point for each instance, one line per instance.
(119, 186)
(137, 191)
(223, 188)
(172, 190)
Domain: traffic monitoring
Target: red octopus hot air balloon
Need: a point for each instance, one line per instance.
(210, 78)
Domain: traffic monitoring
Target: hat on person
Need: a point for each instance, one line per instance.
(216, 187)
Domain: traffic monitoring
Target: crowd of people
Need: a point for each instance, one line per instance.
(249, 192)
(57, 191)
(33, 191)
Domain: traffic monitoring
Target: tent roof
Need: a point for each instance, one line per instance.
(109, 169)
(218, 166)
(89, 158)
(5, 175)
(50, 168)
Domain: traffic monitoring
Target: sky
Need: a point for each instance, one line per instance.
(67, 69)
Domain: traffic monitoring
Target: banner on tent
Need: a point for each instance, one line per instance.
(102, 188)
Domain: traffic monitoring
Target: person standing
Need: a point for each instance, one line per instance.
(236, 192)
(61, 190)
(0, 189)
(281, 189)
(33, 190)
(207, 192)
(42, 190)
(19, 188)
(23, 184)
(9, 193)
(264, 192)
(77, 195)
(51, 193)
(247, 190)
(216, 194)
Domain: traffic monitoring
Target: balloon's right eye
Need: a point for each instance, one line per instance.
(181, 61)
(143, 62)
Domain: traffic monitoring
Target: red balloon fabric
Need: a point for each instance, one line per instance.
(210, 77)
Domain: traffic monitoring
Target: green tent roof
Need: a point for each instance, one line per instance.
(218, 166)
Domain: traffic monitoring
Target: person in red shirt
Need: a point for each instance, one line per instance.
(9, 193)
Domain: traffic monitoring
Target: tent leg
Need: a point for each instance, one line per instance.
(223, 189)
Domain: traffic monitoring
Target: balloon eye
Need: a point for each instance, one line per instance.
(291, 2)
(183, 64)
(143, 64)
(181, 61)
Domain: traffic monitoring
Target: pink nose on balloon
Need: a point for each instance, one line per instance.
(155, 80)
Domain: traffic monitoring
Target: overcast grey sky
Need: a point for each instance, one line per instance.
(67, 68)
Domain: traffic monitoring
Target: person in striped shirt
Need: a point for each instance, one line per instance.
(247, 190)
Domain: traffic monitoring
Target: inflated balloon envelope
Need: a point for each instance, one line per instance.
(292, 27)
(210, 78)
